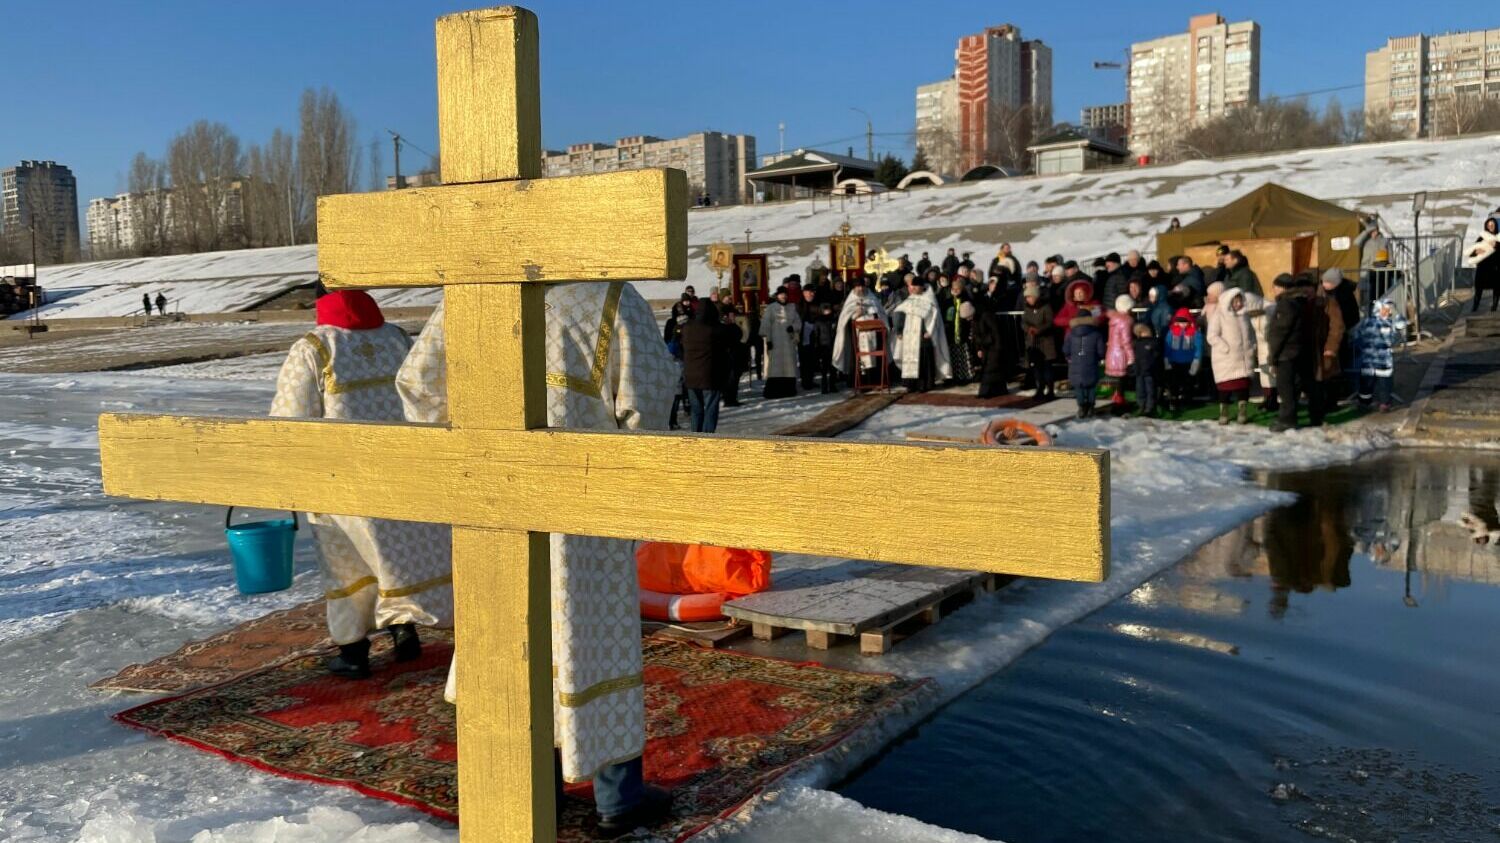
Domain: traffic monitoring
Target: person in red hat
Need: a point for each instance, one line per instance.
(378, 574)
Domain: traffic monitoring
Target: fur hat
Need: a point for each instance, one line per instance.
(1031, 290)
(1143, 330)
(1332, 277)
(1124, 303)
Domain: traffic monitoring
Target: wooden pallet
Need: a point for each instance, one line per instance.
(873, 602)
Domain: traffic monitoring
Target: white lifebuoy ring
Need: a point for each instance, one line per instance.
(683, 608)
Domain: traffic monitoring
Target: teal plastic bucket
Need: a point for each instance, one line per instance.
(262, 553)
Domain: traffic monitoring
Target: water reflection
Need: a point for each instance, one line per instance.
(1429, 516)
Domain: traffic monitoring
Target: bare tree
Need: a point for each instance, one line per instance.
(1375, 126)
(1010, 132)
(1464, 113)
(149, 208)
(328, 156)
(205, 166)
(377, 165)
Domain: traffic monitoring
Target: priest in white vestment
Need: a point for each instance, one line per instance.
(607, 369)
(922, 349)
(860, 305)
(782, 329)
(378, 574)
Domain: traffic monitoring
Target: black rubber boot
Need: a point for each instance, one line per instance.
(655, 806)
(408, 646)
(352, 662)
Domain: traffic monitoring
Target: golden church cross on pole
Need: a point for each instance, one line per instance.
(493, 235)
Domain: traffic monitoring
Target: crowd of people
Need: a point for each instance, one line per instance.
(1176, 334)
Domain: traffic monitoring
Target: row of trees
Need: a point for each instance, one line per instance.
(1273, 125)
(210, 191)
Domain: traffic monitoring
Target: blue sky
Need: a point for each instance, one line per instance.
(90, 82)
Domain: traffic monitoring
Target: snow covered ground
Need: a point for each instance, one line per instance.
(89, 584)
(1081, 216)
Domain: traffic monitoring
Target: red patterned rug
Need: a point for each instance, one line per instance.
(721, 727)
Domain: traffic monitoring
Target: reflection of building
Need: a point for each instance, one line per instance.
(1072, 152)
(44, 194)
(937, 125)
(1191, 77)
(715, 163)
(1422, 84)
(1109, 122)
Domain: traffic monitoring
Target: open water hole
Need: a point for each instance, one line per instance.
(1326, 671)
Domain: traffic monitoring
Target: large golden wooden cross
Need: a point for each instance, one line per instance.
(488, 235)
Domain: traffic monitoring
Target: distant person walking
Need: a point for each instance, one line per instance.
(161, 305)
(146, 303)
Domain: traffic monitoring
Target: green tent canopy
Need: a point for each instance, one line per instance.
(1267, 213)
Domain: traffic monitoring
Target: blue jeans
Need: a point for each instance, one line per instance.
(1376, 386)
(617, 788)
(705, 409)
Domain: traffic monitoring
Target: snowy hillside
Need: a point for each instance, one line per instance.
(1079, 215)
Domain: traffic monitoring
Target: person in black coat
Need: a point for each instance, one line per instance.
(825, 331)
(994, 353)
(1116, 279)
(1487, 271)
(706, 364)
(924, 264)
(1293, 351)
(950, 264)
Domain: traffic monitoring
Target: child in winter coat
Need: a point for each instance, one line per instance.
(1375, 341)
(1041, 339)
(1119, 353)
(1183, 349)
(1232, 338)
(1147, 350)
(1085, 348)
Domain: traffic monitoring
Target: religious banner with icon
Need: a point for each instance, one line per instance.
(749, 279)
(847, 252)
(720, 257)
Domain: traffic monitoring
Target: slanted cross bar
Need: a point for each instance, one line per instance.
(487, 235)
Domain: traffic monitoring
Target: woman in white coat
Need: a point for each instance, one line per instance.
(1232, 338)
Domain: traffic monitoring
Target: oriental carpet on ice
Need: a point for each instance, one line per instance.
(721, 727)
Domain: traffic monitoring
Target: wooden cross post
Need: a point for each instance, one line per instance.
(492, 235)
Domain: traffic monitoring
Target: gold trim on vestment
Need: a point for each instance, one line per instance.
(358, 585)
(409, 590)
(578, 699)
(594, 387)
(332, 385)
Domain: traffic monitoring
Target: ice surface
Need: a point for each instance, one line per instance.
(89, 584)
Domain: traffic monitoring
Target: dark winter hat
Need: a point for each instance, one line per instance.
(1112, 257)
(1222, 250)
(1099, 262)
(1154, 265)
(1285, 281)
(1056, 259)
(1071, 264)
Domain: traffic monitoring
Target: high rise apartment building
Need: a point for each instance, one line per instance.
(1001, 84)
(43, 195)
(715, 162)
(1424, 85)
(1191, 77)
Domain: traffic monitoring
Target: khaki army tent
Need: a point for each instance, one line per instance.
(1273, 213)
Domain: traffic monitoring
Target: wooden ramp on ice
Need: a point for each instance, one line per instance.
(868, 600)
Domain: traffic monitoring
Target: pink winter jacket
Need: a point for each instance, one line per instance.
(1120, 353)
